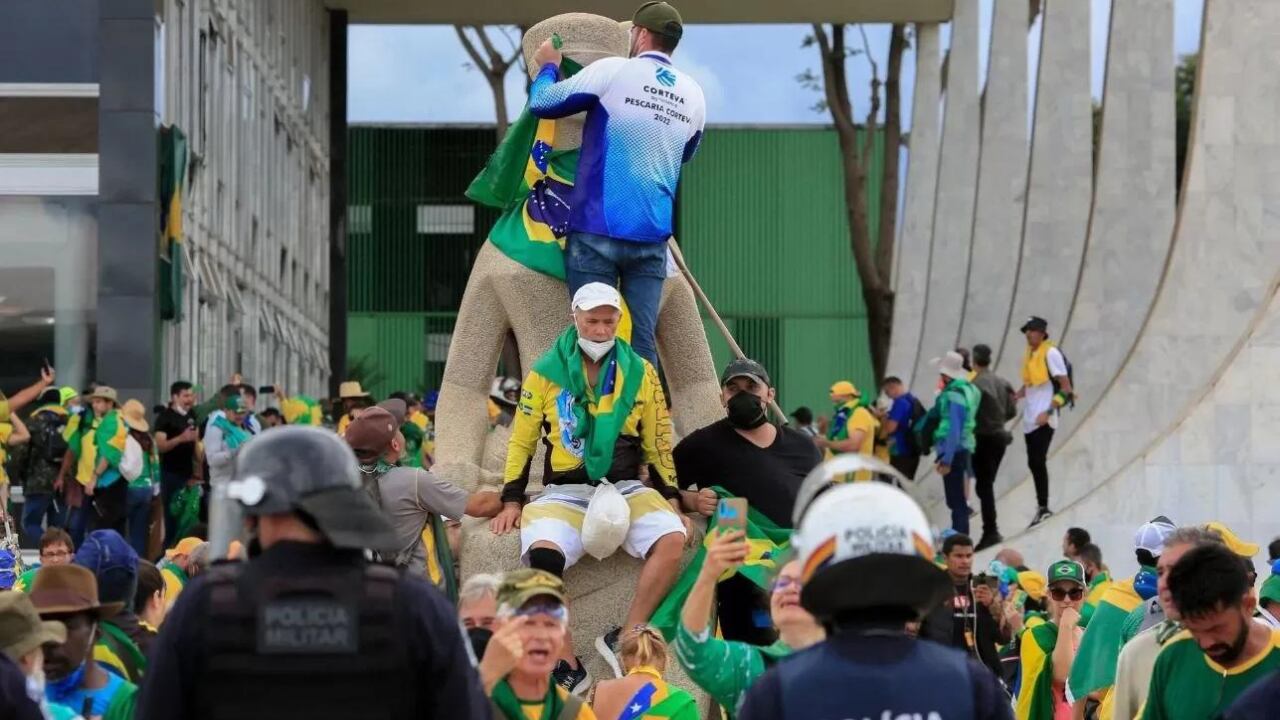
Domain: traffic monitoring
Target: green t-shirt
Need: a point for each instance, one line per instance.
(1187, 685)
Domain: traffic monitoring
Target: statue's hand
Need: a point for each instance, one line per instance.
(546, 53)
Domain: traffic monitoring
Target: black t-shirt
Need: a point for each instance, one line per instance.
(180, 459)
(767, 477)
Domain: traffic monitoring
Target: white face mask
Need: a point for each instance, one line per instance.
(595, 350)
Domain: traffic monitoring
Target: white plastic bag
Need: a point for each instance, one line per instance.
(131, 460)
(607, 522)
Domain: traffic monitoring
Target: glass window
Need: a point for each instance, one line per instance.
(48, 288)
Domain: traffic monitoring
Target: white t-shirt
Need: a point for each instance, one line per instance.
(1040, 397)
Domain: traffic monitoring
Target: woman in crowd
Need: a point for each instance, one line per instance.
(726, 669)
(643, 693)
(141, 488)
(1049, 648)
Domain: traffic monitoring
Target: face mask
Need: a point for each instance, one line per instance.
(479, 638)
(57, 689)
(746, 412)
(595, 350)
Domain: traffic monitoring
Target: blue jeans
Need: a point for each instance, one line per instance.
(78, 521)
(40, 511)
(953, 484)
(138, 510)
(640, 266)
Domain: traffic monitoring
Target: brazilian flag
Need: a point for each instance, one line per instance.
(1094, 668)
(530, 181)
(767, 541)
(301, 410)
(173, 170)
(1035, 687)
(1097, 588)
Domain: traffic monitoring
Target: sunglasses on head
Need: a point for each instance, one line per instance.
(1061, 594)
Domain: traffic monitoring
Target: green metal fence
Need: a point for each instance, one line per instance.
(760, 216)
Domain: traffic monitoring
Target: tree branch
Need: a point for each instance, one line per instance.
(833, 73)
(471, 50)
(496, 64)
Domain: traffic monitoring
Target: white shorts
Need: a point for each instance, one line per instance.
(556, 517)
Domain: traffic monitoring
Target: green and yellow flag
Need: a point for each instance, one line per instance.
(530, 181)
(1035, 686)
(1095, 664)
(173, 171)
(1097, 588)
(767, 544)
(301, 410)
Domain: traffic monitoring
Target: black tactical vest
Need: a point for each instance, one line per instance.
(304, 646)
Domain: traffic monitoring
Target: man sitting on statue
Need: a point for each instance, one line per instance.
(601, 411)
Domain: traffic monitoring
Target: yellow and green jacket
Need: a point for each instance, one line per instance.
(91, 438)
(542, 414)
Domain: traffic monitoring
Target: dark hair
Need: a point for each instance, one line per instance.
(249, 390)
(982, 355)
(964, 353)
(954, 541)
(803, 415)
(272, 412)
(228, 390)
(891, 380)
(663, 42)
(1273, 550)
(1207, 579)
(399, 395)
(178, 387)
(1078, 537)
(1091, 554)
(1146, 558)
(54, 536)
(149, 583)
(52, 396)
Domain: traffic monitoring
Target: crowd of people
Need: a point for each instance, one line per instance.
(814, 591)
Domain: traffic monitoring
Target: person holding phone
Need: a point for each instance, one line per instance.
(176, 437)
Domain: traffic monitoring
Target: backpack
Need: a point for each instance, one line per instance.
(1057, 386)
(131, 461)
(918, 411)
(51, 441)
(923, 430)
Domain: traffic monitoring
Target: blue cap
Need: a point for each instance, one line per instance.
(430, 399)
(113, 561)
(8, 570)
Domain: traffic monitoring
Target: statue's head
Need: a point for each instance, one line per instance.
(586, 38)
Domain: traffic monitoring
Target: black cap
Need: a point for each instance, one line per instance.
(803, 415)
(659, 17)
(745, 367)
(1035, 323)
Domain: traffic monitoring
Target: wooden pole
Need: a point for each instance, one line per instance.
(715, 316)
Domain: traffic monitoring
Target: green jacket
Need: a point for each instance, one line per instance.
(957, 417)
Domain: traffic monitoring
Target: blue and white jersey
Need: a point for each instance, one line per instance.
(644, 120)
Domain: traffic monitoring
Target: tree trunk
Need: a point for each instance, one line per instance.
(496, 86)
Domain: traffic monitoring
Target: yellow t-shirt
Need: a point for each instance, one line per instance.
(863, 420)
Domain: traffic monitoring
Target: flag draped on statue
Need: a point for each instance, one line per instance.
(767, 543)
(529, 180)
(173, 170)
(1095, 665)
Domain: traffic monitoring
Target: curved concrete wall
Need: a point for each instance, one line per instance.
(1188, 428)
(917, 212)
(1002, 181)
(953, 212)
(1131, 226)
(1060, 183)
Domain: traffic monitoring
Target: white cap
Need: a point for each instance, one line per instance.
(951, 365)
(1151, 536)
(595, 294)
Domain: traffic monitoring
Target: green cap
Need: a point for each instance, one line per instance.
(657, 16)
(520, 586)
(1068, 570)
(66, 394)
(234, 403)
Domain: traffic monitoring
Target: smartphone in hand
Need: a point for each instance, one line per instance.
(731, 514)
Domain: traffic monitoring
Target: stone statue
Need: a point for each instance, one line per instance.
(503, 294)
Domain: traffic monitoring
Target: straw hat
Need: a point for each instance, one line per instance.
(68, 589)
(135, 416)
(351, 389)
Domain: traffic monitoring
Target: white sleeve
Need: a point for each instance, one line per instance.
(1057, 363)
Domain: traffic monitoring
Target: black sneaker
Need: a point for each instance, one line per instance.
(574, 680)
(988, 540)
(607, 646)
(1042, 514)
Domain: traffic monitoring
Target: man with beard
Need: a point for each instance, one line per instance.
(1222, 652)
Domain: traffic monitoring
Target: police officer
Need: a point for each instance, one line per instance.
(868, 571)
(307, 628)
